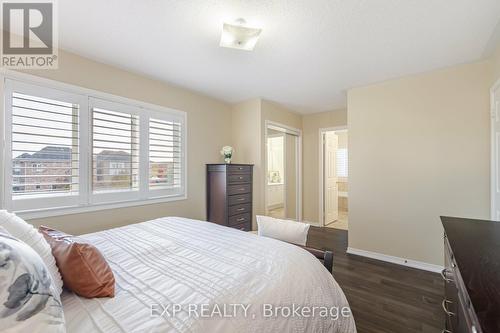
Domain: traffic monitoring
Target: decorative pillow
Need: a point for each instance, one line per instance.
(25, 232)
(83, 268)
(285, 230)
(29, 301)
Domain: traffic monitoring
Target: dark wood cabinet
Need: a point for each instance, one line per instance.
(471, 275)
(229, 195)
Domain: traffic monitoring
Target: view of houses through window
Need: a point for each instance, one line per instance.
(48, 169)
(164, 153)
(45, 139)
(115, 144)
(44, 145)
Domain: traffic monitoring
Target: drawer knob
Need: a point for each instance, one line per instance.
(240, 209)
(242, 189)
(445, 308)
(240, 199)
(443, 275)
(241, 219)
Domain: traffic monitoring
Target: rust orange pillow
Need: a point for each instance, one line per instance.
(83, 268)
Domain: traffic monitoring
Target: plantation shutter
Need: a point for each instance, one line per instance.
(72, 152)
(44, 146)
(166, 164)
(115, 151)
(42, 131)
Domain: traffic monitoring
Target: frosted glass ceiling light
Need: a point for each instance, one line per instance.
(239, 36)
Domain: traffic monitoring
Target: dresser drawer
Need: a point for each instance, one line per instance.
(231, 169)
(239, 178)
(242, 227)
(239, 189)
(239, 209)
(239, 219)
(229, 195)
(460, 315)
(239, 199)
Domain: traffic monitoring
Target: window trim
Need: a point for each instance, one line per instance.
(85, 204)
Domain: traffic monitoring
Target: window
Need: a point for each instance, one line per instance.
(44, 132)
(165, 155)
(118, 168)
(67, 150)
(342, 165)
(115, 151)
(42, 164)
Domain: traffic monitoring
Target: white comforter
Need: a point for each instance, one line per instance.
(175, 260)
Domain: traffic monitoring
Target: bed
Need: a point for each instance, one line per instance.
(195, 265)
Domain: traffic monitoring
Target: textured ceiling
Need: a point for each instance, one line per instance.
(310, 51)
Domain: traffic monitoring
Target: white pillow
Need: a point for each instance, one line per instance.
(25, 232)
(285, 230)
(28, 299)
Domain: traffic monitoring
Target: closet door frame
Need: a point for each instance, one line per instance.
(298, 160)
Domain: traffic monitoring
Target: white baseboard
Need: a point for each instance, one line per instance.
(396, 260)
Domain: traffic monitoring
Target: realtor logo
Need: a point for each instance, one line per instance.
(29, 39)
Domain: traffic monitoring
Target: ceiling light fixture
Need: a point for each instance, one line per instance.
(239, 36)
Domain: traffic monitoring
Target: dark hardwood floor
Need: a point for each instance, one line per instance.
(384, 297)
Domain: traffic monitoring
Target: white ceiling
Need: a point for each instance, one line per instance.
(310, 51)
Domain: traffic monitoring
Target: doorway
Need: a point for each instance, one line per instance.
(334, 178)
(283, 164)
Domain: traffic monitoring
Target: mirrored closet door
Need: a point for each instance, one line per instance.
(283, 172)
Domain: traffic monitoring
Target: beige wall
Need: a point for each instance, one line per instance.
(434, 130)
(246, 128)
(495, 59)
(310, 153)
(277, 113)
(209, 123)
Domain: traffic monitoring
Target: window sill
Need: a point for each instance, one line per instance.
(60, 211)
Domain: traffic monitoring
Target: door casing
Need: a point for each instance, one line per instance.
(321, 170)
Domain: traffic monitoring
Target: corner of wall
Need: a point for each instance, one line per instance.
(495, 65)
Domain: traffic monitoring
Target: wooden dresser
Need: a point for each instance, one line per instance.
(229, 195)
(472, 275)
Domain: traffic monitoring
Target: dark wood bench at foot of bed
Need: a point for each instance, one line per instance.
(326, 257)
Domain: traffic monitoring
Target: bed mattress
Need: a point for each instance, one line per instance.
(180, 275)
